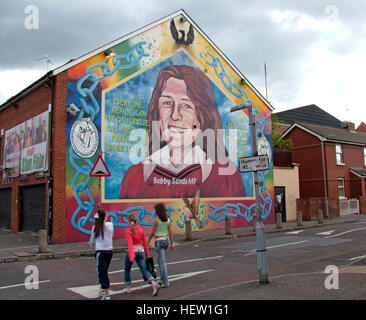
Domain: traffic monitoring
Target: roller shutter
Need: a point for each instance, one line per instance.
(5, 208)
(33, 208)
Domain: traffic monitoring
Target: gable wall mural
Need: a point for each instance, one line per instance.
(156, 107)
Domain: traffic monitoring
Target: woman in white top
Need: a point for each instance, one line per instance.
(102, 239)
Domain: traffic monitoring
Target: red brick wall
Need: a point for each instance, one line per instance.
(306, 151)
(59, 122)
(362, 205)
(352, 157)
(309, 208)
(27, 107)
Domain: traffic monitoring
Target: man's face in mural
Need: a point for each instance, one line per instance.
(178, 118)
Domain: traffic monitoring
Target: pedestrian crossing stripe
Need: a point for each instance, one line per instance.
(100, 169)
(92, 291)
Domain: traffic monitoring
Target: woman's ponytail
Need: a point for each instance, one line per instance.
(132, 221)
(99, 223)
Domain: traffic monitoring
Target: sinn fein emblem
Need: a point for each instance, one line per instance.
(84, 138)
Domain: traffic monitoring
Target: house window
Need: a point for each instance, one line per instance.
(339, 154)
(341, 193)
(364, 156)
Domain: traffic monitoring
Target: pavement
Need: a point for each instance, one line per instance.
(20, 247)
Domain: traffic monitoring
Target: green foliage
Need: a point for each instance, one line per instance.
(278, 142)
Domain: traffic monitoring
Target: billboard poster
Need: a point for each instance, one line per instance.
(25, 149)
(158, 112)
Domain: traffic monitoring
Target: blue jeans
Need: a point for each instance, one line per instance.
(161, 245)
(140, 259)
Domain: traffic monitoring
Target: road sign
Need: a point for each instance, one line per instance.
(100, 169)
(248, 164)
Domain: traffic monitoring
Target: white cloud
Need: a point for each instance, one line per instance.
(314, 50)
(333, 82)
(297, 21)
(14, 81)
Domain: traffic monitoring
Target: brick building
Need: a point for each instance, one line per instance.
(331, 154)
(98, 105)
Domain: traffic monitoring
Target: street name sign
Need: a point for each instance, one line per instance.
(257, 163)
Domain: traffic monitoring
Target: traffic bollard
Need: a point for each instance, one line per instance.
(279, 220)
(42, 241)
(188, 230)
(299, 218)
(228, 226)
(320, 216)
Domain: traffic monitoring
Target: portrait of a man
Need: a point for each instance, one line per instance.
(181, 161)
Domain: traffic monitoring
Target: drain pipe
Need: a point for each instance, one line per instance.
(325, 181)
(50, 177)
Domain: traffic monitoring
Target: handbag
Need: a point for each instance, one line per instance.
(150, 266)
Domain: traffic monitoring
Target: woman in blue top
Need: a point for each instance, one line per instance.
(163, 238)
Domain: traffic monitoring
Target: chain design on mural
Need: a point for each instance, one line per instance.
(264, 194)
(143, 216)
(90, 106)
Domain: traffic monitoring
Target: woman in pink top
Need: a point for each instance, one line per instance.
(137, 250)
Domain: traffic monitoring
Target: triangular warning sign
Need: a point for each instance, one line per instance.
(100, 169)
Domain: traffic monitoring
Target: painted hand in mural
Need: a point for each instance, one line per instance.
(191, 208)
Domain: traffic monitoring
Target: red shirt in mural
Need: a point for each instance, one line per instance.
(151, 180)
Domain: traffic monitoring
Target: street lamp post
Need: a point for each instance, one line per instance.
(99, 191)
(260, 237)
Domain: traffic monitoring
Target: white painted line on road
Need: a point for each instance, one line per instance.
(287, 244)
(198, 259)
(357, 258)
(326, 233)
(190, 295)
(22, 284)
(92, 292)
(349, 231)
(294, 232)
(213, 289)
(176, 262)
(277, 246)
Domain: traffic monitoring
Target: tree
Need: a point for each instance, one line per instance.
(278, 142)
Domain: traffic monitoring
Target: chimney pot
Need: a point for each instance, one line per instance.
(351, 126)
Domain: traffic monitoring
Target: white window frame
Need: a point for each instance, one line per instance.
(364, 157)
(340, 154)
(341, 188)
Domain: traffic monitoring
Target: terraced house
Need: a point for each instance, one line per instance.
(331, 155)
